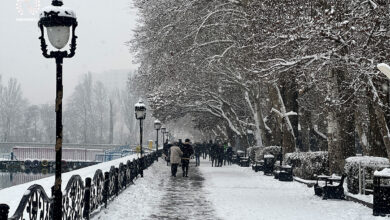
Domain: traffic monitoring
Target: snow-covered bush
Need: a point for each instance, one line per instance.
(368, 164)
(257, 153)
(307, 165)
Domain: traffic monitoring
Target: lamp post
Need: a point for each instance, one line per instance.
(140, 114)
(167, 135)
(157, 126)
(58, 22)
(250, 138)
(163, 130)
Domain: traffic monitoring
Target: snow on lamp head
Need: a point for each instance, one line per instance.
(58, 22)
(385, 69)
(157, 124)
(140, 110)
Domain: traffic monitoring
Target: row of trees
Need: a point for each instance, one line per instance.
(301, 74)
(92, 114)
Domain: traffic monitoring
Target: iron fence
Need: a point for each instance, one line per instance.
(80, 198)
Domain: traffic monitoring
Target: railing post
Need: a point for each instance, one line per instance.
(124, 183)
(87, 197)
(105, 188)
(116, 182)
(4, 209)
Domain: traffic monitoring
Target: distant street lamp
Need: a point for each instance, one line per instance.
(250, 139)
(140, 114)
(385, 69)
(157, 126)
(58, 21)
(163, 131)
(167, 135)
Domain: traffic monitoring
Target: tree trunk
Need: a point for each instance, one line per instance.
(288, 137)
(304, 131)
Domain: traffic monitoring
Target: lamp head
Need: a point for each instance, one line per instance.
(140, 110)
(157, 124)
(57, 21)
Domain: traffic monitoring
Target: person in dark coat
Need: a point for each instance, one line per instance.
(166, 151)
(188, 151)
(221, 154)
(204, 150)
(198, 152)
(229, 155)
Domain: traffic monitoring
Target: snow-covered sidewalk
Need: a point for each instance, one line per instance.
(239, 193)
(160, 196)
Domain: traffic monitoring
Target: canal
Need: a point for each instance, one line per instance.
(8, 179)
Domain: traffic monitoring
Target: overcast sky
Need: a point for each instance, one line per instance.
(104, 27)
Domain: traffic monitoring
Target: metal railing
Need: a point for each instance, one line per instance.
(80, 198)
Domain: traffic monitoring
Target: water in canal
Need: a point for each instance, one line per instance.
(11, 179)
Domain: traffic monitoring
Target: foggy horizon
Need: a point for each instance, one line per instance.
(102, 33)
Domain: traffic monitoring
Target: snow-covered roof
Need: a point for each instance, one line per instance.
(269, 156)
(383, 173)
(62, 11)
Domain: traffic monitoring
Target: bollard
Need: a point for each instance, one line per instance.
(116, 182)
(4, 209)
(87, 198)
(105, 188)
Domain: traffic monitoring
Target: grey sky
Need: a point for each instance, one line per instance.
(104, 27)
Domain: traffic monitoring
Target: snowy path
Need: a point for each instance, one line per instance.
(229, 192)
(240, 193)
(160, 196)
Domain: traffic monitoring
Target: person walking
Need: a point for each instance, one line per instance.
(188, 151)
(166, 151)
(198, 152)
(175, 158)
(221, 154)
(204, 150)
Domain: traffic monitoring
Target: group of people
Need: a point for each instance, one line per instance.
(181, 153)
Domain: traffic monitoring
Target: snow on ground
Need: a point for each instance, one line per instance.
(240, 193)
(12, 195)
(138, 200)
(160, 196)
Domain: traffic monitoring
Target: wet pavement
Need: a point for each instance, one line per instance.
(184, 197)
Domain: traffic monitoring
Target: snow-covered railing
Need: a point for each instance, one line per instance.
(80, 198)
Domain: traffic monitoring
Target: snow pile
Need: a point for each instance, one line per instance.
(368, 164)
(307, 165)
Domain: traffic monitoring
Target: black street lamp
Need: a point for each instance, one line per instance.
(140, 114)
(167, 135)
(163, 131)
(58, 21)
(157, 126)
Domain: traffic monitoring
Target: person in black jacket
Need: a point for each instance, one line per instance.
(198, 152)
(188, 151)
